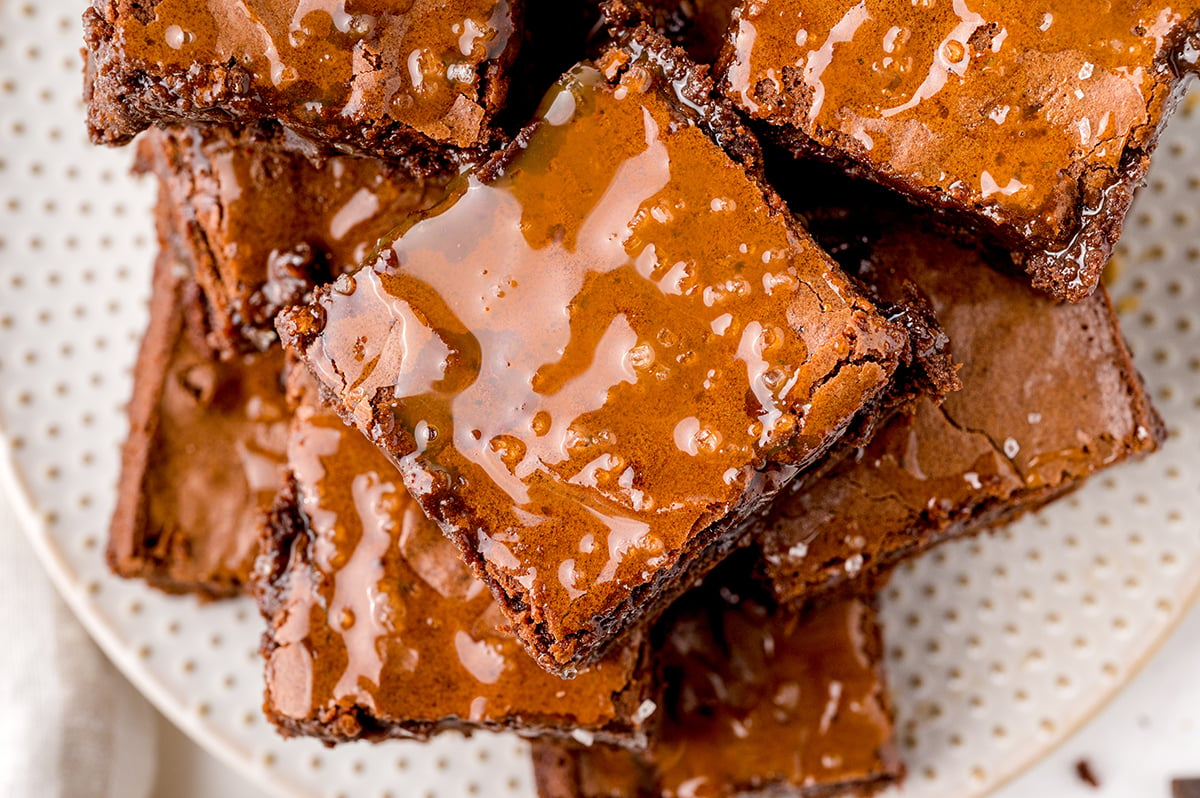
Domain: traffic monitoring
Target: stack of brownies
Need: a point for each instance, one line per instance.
(582, 369)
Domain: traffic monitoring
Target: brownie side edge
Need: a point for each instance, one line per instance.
(127, 554)
(124, 99)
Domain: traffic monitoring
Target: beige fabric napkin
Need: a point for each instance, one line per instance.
(70, 725)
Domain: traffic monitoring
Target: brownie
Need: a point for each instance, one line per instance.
(1050, 396)
(1185, 788)
(377, 628)
(602, 353)
(261, 226)
(205, 452)
(698, 26)
(760, 701)
(418, 82)
(1035, 124)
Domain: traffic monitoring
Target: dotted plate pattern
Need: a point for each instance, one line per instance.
(998, 647)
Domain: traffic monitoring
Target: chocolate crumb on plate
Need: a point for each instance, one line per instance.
(1185, 788)
(1083, 769)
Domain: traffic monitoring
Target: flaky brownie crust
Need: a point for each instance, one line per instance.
(260, 226)
(823, 572)
(198, 463)
(835, 537)
(191, 426)
(172, 162)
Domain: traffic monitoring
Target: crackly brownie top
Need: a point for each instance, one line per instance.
(1049, 396)
(581, 363)
(1020, 110)
(376, 610)
(419, 62)
(760, 698)
(271, 223)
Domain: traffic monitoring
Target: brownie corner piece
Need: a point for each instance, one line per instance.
(377, 629)
(204, 451)
(595, 419)
(419, 85)
(1035, 126)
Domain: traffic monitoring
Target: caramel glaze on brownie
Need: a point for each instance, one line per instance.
(759, 701)
(204, 456)
(1050, 396)
(601, 354)
(262, 226)
(415, 81)
(1035, 122)
(377, 628)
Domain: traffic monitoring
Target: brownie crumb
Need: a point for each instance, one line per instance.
(1083, 769)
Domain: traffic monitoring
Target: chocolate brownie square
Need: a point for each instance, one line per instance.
(262, 226)
(205, 451)
(1034, 123)
(418, 82)
(377, 628)
(602, 353)
(760, 701)
(1050, 396)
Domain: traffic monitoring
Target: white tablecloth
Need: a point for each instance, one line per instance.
(70, 725)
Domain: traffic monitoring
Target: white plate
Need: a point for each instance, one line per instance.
(998, 648)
